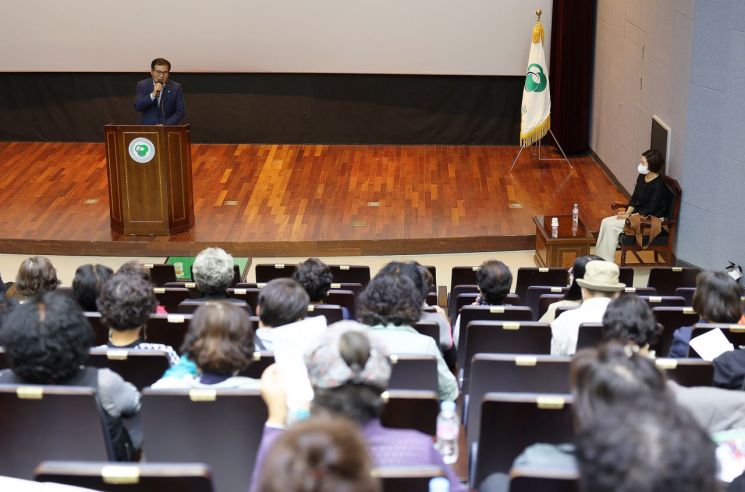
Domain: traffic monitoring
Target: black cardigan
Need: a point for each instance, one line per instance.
(651, 198)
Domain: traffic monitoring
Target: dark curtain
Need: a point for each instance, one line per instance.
(572, 46)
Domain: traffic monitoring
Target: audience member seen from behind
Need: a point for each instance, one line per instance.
(35, 276)
(494, 279)
(647, 446)
(651, 197)
(213, 273)
(629, 319)
(599, 285)
(315, 276)
(281, 302)
(349, 370)
(220, 342)
(322, 455)
(391, 305)
(125, 303)
(47, 341)
(87, 284)
(716, 300)
(573, 296)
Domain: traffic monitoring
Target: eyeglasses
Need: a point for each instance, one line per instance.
(161, 74)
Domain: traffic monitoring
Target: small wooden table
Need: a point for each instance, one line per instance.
(569, 243)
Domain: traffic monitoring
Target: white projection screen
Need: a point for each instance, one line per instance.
(447, 37)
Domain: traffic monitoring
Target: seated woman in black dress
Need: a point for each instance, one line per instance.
(651, 197)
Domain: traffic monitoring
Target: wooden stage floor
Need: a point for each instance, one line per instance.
(303, 200)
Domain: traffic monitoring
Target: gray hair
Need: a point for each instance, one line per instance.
(213, 270)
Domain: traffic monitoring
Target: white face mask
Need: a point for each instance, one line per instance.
(642, 169)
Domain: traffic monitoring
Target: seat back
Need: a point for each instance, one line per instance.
(511, 373)
(194, 292)
(463, 275)
(171, 297)
(545, 300)
(221, 428)
(249, 295)
(537, 479)
(662, 301)
(429, 328)
(139, 367)
(671, 318)
(168, 329)
(735, 334)
(533, 294)
(343, 298)
(667, 279)
(688, 372)
(453, 298)
(40, 423)
(100, 332)
(411, 409)
(466, 298)
(359, 274)
(266, 272)
(511, 422)
(589, 335)
(407, 478)
(626, 275)
(261, 360)
(161, 273)
(527, 276)
(686, 293)
(487, 313)
(333, 313)
(139, 477)
(641, 291)
(413, 372)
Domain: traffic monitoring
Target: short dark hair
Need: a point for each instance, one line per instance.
(319, 454)
(390, 298)
(411, 271)
(611, 375)
(717, 297)
(578, 271)
(126, 302)
(628, 318)
(282, 301)
(655, 161)
(315, 276)
(47, 339)
(220, 338)
(495, 280)
(649, 446)
(87, 284)
(160, 61)
(359, 402)
(35, 276)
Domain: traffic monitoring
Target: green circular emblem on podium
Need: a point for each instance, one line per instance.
(141, 150)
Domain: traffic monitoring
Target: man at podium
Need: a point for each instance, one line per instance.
(159, 100)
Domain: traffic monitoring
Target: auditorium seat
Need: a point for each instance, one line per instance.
(540, 479)
(266, 272)
(39, 423)
(351, 273)
(641, 291)
(194, 293)
(533, 294)
(221, 428)
(667, 279)
(429, 328)
(466, 298)
(688, 372)
(431, 299)
(344, 298)
(671, 318)
(503, 337)
(407, 478)
(527, 276)
(413, 372)
(411, 409)
(735, 334)
(512, 373)
(545, 300)
(100, 332)
(160, 274)
(139, 367)
(487, 313)
(332, 312)
(455, 292)
(463, 275)
(686, 293)
(433, 272)
(3, 359)
(168, 329)
(511, 422)
(140, 477)
(64, 290)
(261, 360)
(589, 335)
(171, 297)
(249, 295)
(563, 309)
(664, 301)
(626, 275)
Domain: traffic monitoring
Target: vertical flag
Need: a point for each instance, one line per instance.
(535, 119)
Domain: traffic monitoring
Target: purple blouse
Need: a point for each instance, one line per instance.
(388, 447)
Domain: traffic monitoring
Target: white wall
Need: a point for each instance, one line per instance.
(642, 66)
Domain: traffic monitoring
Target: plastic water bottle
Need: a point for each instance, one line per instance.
(439, 484)
(554, 227)
(448, 428)
(575, 214)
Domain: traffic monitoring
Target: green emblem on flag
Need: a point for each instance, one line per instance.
(535, 80)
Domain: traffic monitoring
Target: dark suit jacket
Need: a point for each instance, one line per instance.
(172, 100)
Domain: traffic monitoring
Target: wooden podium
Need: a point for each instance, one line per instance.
(149, 170)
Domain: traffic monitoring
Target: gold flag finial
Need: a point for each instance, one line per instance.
(538, 13)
